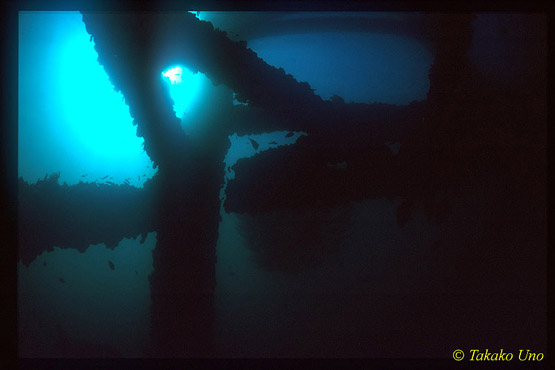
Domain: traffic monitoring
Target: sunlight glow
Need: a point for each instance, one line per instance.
(71, 119)
(174, 74)
(184, 86)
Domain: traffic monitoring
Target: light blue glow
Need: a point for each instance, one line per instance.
(358, 67)
(184, 86)
(197, 14)
(174, 74)
(70, 118)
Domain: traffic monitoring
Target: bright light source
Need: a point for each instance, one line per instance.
(196, 13)
(174, 74)
(184, 86)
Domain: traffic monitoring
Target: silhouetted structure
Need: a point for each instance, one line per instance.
(469, 130)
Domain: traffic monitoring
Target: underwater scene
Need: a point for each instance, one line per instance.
(222, 184)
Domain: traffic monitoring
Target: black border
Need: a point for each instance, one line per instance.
(8, 159)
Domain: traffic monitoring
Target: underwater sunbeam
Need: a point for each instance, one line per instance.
(184, 86)
(70, 118)
(174, 74)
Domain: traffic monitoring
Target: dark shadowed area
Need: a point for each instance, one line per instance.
(281, 184)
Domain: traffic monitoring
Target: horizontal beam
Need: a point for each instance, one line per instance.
(80, 215)
(134, 49)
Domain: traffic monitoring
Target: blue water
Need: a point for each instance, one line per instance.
(71, 120)
(93, 304)
(184, 88)
(358, 67)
